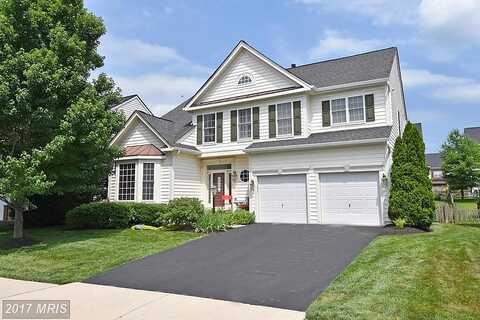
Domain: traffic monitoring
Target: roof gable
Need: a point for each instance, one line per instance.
(266, 75)
(129, 104)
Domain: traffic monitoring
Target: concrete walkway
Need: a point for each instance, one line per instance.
(89, 301)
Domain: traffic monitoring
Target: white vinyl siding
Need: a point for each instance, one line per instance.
(140, 134)
(265, 78)
(187, 176)
(315, 124)
(112, 186)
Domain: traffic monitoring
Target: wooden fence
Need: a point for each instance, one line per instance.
(449, 214)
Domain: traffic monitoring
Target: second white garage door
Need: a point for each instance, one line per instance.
(282, 198)
(350, 198)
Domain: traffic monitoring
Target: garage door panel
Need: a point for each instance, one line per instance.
(282, 199)
(350, 198)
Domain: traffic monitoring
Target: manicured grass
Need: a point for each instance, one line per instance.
(460, 204)
(64, 256)
(432, 275)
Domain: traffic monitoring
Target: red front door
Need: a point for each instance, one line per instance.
(219, 191)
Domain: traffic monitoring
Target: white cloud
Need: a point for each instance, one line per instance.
(161, 92)
(444, 87)
(382, 12)
(334, 44)
(421, 77)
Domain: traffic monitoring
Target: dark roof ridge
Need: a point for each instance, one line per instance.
(341, 58)
(152, 115)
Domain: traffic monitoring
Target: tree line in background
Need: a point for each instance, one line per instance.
(55, 122)
(461, 162)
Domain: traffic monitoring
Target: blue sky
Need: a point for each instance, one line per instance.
(165, 50)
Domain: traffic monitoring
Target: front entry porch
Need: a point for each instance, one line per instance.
(226, 182)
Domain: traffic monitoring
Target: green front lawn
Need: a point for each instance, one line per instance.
(64, 256)
(432, 275)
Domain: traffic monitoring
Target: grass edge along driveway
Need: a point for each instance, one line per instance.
(64, 256)
(432, 275)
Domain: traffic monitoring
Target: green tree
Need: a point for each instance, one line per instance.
(411, 195)
(461, 162)
(55, 124)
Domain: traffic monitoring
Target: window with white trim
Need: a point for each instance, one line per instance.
(245, 79)
(284, 119)
(209, 127)
(245, 123)
(437, 174)
(126, 185)
(339, 112)
(356, 111)
(148, 181)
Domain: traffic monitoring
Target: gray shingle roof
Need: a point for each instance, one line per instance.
(171, 126)
(328, 137)
(473, 133)
(361, 67)
(433, 160)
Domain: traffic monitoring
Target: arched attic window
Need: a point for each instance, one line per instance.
(245, 79)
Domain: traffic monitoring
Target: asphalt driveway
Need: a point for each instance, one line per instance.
(277, 265)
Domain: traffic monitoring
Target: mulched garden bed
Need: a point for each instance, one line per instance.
(392, 230)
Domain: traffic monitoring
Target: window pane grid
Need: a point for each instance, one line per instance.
(355, 108)
(284, 118)
(126, 188)
(209, 127)
(148, 181)
(245, 123)
(339, 113)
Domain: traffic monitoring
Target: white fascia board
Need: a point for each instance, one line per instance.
(267, 96)
(222, 154)
(170, 149)
(140, 158)
(317, 145)
(231, 56)
(351, 85)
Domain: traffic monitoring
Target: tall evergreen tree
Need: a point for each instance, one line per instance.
(55, 124)
(411, 195)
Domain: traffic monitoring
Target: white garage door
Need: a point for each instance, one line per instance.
(350, 198)
(282, 199)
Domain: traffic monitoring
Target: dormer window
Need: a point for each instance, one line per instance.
(244, 80)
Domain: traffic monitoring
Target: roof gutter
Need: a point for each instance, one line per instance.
(141, 157)
(351, 85)
(316, 145)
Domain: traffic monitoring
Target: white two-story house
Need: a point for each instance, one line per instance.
(305, 144)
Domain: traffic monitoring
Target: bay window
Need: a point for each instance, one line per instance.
(126, 187)
(148, 181)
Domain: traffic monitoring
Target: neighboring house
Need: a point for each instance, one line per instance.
(6, 211)
(435, 162)
(306, 144)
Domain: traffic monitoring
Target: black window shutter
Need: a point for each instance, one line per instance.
(219, 127)
(199, 130)
(233, 125)
(297, 118)
(370, 107)
(272, 121)
(256, 122)
(326, 113)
